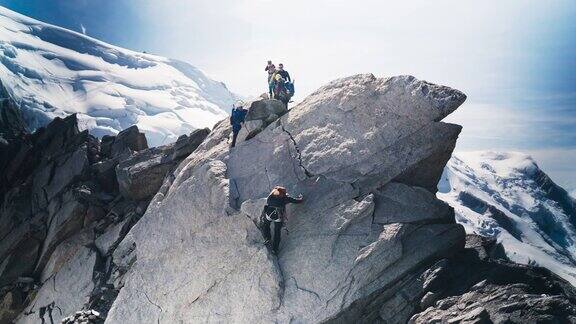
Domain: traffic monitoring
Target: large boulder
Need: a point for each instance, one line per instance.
(341, 148)
(125, 143)
(186, 144)
(141, 175)
(261, 113)
(265, 110)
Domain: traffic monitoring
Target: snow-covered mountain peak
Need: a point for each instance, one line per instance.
(54, 72)
(506, 195)
(500, 164)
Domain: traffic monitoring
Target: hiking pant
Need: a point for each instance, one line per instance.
(234, 136)
(271, 90)
(265, 227)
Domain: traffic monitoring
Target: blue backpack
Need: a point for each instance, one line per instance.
(290, 87)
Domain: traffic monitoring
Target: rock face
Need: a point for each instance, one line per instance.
(62, 213)
(496, 291)
(367, 154)
(370, 243)
(343, 148)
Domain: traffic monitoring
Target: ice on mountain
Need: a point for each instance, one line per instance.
(506, 196)
(54, 72)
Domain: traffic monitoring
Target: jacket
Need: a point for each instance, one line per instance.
(237, 118)
(276, 207)
(285, 75)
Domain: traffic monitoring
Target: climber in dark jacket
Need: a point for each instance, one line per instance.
(275, 212)
(236, 120)
(285, 75)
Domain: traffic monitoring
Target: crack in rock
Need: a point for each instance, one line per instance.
(304, 289)
(153, 303)
(298, 152)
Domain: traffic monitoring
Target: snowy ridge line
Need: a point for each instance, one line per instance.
(54, 72)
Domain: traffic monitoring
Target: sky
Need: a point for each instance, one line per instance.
(516, 60)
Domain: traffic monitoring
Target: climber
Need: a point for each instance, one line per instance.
(275, 212)
(281, 89)
(289, 84)
(237, 119)
(271, 69)
(283, 72)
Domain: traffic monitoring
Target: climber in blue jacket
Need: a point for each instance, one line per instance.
(237, 119)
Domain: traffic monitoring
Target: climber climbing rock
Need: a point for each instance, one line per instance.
(275, 212)
(237, 119)
(271, 69)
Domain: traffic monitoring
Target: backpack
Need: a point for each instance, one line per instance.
(290, 87)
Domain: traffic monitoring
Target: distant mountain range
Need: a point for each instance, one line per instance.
(54, 72)
(507, 196)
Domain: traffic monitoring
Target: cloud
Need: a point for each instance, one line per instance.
(83, 29)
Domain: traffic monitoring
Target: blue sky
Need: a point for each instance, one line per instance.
(516, 60)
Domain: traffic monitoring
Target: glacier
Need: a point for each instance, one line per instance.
(505, 195)
(54, 72)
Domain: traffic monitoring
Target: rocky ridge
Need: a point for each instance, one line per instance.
(66, 201)
(371, 243)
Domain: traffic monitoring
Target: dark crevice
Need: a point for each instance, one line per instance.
(304, 289)
(153, 303)
(298, 153)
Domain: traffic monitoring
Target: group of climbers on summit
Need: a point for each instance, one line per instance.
(280, 85)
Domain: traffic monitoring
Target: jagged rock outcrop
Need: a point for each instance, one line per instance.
(141, 175)
(12, 125)
(342, 147)
(371, 243)
(367, 154)
(495, 291)
(261, 113)
(62, 214)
